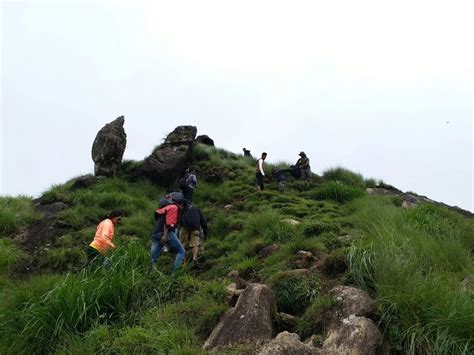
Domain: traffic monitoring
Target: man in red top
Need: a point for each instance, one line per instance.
(164, 231)
(103, 239)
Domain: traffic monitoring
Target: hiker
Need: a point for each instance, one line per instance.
(187, 184)
(193, 229)
(164, 229)
(260, 172)
(280, 177)
(303, 165)
(103, 240)
(246, 153)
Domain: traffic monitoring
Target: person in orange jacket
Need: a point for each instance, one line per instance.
(103, 240)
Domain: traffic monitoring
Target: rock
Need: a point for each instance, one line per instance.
(204, 139)
(108, 147)
(468, 284)
(293, 222)
(85, 181)
(288, 319)
(353, 301)
(267, 251)
(228, 207)
(169, 161)
(249, 322)
(303, 259)
(288, 344)
(303, 272)
(355, 336)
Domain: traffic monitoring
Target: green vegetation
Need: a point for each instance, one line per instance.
(412, 261)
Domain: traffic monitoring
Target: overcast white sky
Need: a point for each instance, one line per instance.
(383, 88)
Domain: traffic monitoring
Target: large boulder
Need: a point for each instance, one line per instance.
(288, 344)
(353, 301)
(204, 139)
(354, 336)
(249, 322)
(108, 148)
(169, 160)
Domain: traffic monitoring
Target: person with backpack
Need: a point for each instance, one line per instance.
(103, 240)
(164, 229)
(191, 224)
(303, 165)
(187, 184)
(260, 172)
(246, 153)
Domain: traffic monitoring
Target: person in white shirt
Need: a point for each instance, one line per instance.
(260, 172)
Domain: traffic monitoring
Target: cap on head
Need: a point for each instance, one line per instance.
(302, 154)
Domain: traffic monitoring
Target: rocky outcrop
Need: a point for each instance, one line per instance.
(288, 344)
(303, 259)
(249, 322)
(169, 160)
(355, 336)
(85, 181)
(409, 199)
(108, 148)
(204, 139)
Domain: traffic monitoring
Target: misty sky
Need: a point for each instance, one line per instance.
(381, 88)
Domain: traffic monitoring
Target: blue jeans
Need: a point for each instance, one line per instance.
(173, 243)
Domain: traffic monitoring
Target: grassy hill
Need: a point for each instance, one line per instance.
(412, 261)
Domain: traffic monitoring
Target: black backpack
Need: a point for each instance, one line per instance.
(183, 182)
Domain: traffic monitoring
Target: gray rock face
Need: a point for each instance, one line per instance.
(303, 259)
(204, 139)
(353, 301)
(168, 161)
(288, 344)
(249, 322)
(108, 148)
(85, 181)
(355, 336)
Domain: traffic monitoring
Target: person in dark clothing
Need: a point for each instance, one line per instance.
(187, 184)
(280, 177)
(246, 153)
(191, 223)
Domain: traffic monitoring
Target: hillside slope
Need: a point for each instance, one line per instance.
(417, 263)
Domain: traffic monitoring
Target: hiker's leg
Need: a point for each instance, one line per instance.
(155, 247)
(177, 247)
(194, 243)
(93, 256)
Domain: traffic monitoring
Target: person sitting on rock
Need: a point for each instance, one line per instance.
(164, 231)
(246, 153)
(191, 223)
(303, 165)
(103, 240)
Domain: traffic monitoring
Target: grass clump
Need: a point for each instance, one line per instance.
(10, 256)
(316, 318)
(294, 292)
(414, 267)
(344, 176)
(16, 212)
(336, 191)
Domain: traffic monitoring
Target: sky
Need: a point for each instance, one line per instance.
(381, 88)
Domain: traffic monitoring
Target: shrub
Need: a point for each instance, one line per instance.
(344, 176)
(294, 292)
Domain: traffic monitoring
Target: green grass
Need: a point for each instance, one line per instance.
(16, 212)
(413, 261)
(10, 256)
(337, 191)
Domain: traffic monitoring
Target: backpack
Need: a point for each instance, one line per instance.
(183, 182)
(169, 199)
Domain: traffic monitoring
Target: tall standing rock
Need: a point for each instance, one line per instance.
(170, 159)
(108, 148)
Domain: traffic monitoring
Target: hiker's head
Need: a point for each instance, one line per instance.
(302, 154)
(264, 155)
(115, 217)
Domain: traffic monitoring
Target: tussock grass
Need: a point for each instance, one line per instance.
(413, 260)
(16, 212)
(10, 256)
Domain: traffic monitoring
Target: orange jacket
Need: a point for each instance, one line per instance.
(103, 237)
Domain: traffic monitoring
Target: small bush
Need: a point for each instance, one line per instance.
(316, 318)
(344, 176)
(294, 292)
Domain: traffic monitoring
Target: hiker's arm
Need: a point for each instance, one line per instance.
(164, 239)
